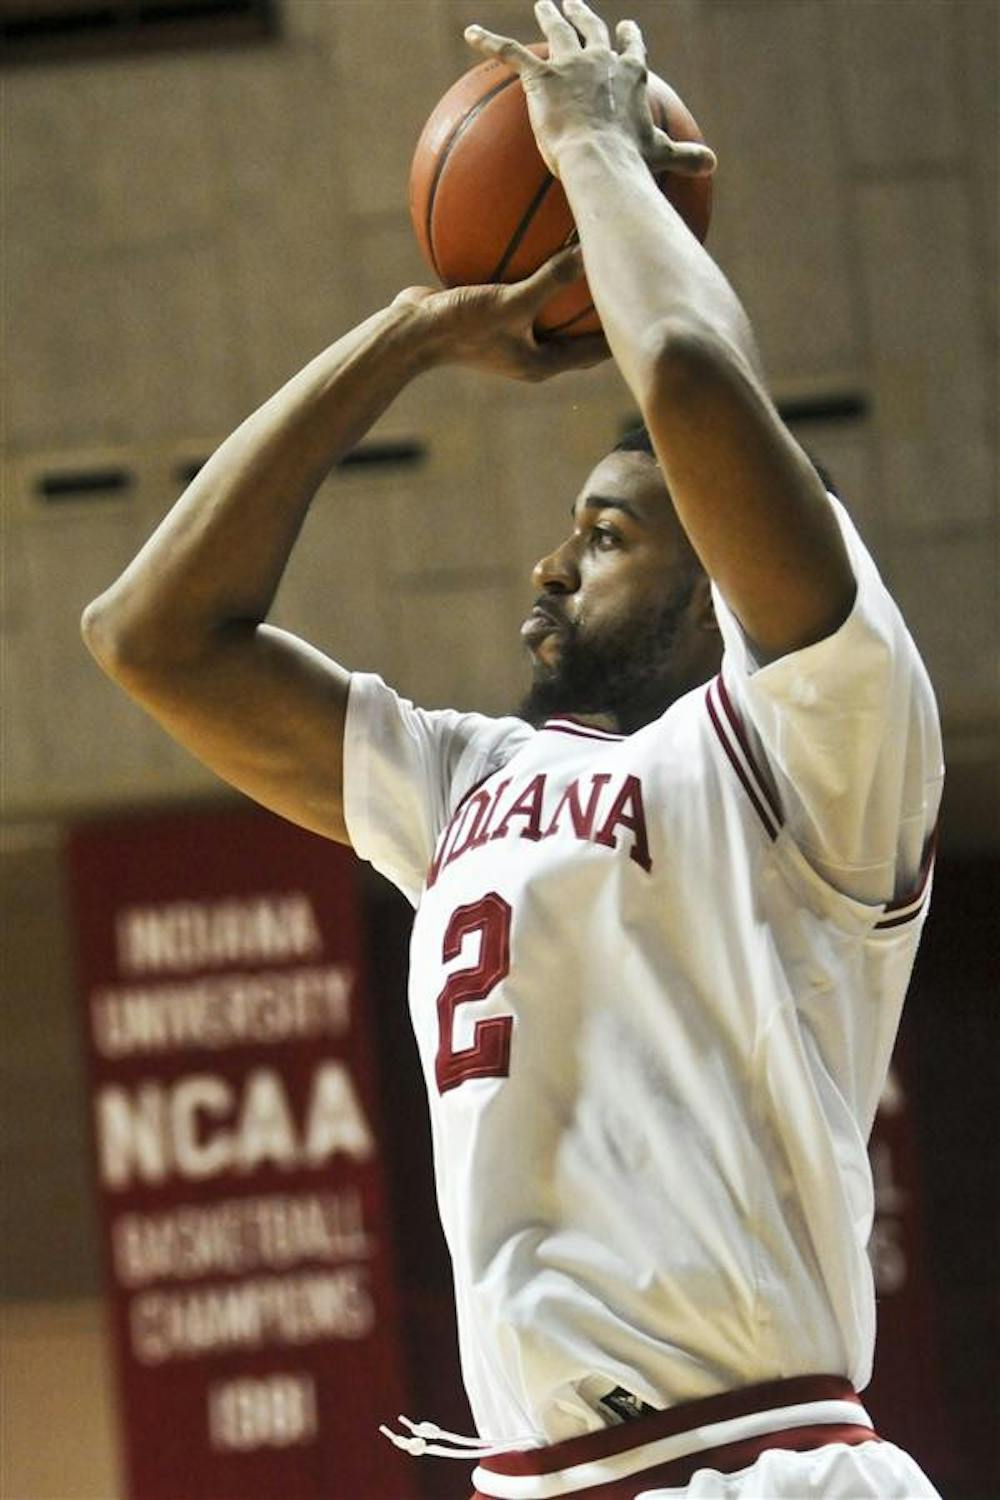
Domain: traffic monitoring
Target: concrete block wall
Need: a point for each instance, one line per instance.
(184, 231)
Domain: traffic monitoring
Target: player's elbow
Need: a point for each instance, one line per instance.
(106, 643)
(118, 646)
(99, 636)
(684, 352)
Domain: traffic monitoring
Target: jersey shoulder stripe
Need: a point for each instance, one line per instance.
(732, 736)
(898, 913)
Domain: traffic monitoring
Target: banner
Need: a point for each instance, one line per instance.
(905, 1397)
(237, 1159)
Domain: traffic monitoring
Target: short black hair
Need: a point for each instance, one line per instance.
(637, 440)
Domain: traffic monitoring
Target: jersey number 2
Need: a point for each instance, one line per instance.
(489, 1055)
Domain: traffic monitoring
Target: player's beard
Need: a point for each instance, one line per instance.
(628, 670)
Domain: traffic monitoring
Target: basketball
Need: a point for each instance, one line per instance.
(485, 206)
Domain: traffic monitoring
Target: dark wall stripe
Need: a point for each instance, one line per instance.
(186, 472)
(57, 30)
(405, 452)
(844, 406)
(83, 483)
(383, 455)
(847, 406)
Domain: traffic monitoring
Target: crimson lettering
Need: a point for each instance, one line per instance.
(597, 809)
(582, 818)
(489, 1055)
(528, 805)
(627, 812)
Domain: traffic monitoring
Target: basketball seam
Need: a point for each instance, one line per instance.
(561, 327)
(522, 228)
(445, 152)
(659, 119)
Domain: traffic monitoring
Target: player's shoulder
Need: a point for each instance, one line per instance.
(452, 747)
(681, 724)
(482, 745)
(704, 765)
(496, 740)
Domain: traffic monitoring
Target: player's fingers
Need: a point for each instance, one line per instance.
(630, 42)
(413, 295)
(559, 270)
(562, 39)
(686, 158)
(588, 23)
(514, 54)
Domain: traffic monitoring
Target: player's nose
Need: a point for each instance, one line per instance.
(557, 572)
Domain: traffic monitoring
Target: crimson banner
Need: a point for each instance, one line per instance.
(905, 1396)
(238, 1168)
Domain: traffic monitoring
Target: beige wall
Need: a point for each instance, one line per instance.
(183, 231)
(56, 1408)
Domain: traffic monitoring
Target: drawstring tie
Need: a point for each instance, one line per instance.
(468, 1448)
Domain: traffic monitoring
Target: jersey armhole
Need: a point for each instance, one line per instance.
(825, 898)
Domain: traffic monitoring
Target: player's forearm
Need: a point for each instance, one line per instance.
(647, 271)
(219, 554)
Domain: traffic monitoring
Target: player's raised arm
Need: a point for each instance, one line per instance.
(745, 492)
(183, 629)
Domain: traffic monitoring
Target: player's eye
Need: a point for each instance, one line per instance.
(604, 538)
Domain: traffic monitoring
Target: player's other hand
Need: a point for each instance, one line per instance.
(584, 85)
(492, 327)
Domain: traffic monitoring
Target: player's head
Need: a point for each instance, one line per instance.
(623, 622)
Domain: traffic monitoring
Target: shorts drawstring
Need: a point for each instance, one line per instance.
(468, 1448)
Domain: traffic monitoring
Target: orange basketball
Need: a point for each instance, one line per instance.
(485, 207)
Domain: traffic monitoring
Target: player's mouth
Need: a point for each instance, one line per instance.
(539, 625)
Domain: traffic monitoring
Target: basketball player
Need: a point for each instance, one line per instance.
(665, 917)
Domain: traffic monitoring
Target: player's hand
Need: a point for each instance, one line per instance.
(585, 85)
(492, 327)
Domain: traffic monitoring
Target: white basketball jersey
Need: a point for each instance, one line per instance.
(655, 982)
